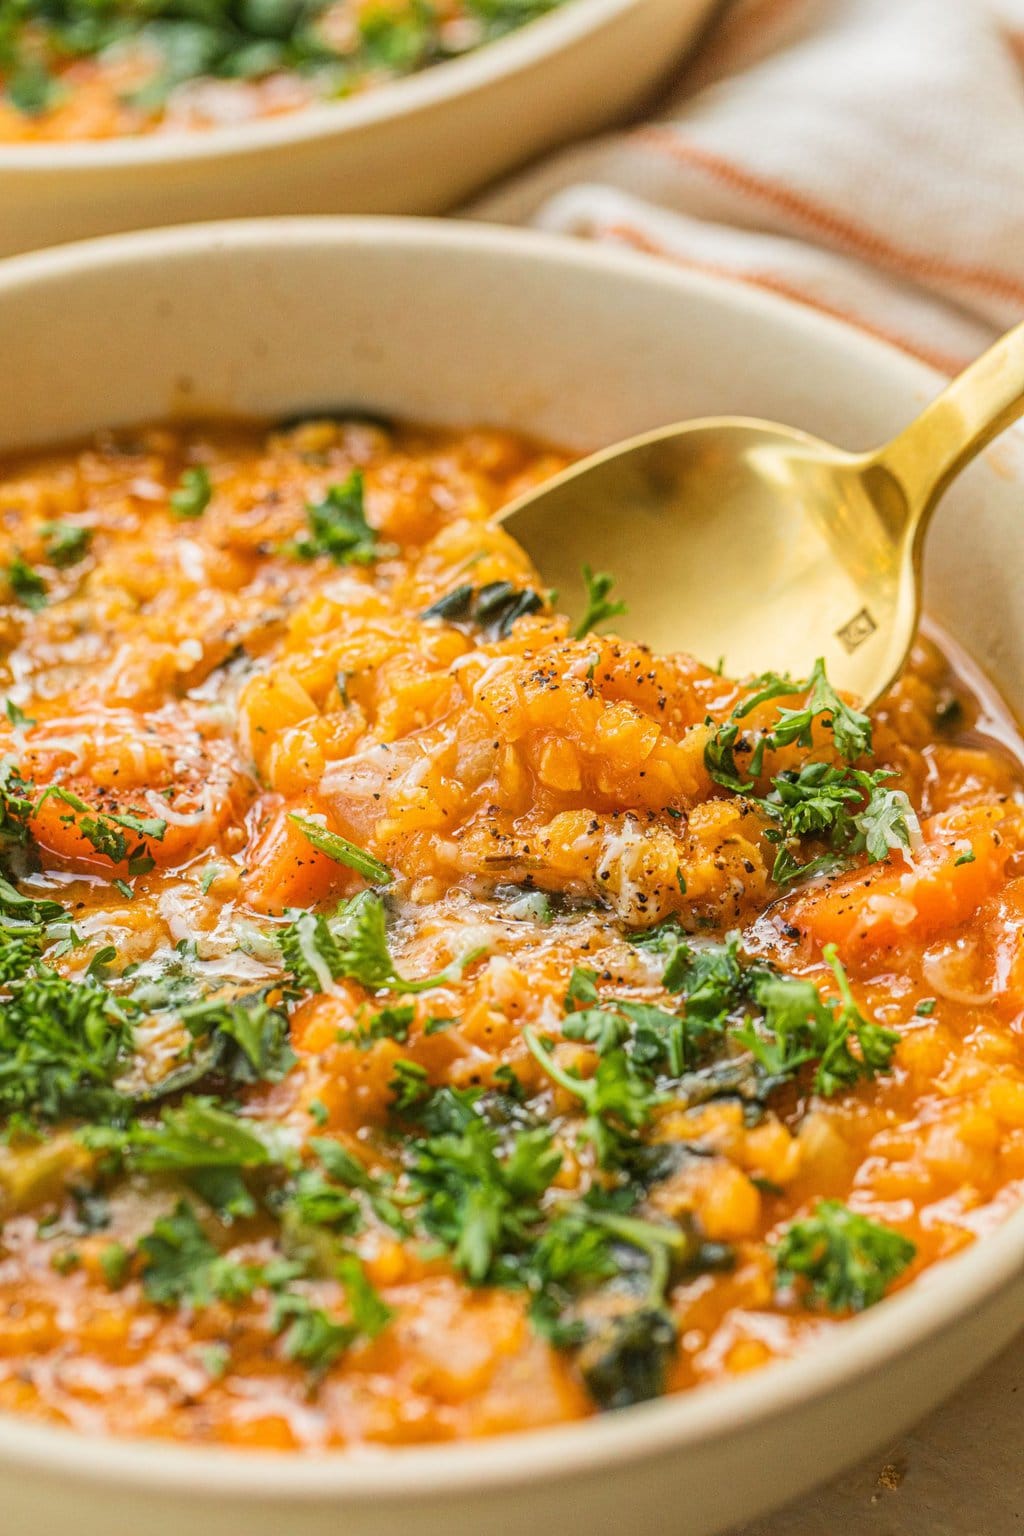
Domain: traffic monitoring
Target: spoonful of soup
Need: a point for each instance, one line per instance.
(756, 543)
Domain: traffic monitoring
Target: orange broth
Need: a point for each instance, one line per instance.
(541, 801)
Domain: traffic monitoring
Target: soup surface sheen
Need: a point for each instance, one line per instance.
(99, 69)
(419, 1022)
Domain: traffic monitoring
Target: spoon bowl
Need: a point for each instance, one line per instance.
(756, 546)
(739, 541)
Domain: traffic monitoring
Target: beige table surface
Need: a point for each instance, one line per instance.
(960, 1473)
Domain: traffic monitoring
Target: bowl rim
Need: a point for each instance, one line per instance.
(520, 50)
(680, 1422)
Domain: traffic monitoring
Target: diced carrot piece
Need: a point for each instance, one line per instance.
(284, 870)
(959, 864)
(270, 702)
(57, 827)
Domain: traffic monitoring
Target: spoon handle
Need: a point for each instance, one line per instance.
(980, 403)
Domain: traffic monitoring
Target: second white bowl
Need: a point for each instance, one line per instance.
(417, 145)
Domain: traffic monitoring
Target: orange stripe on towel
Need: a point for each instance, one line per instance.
(836, 226)
(640, 241)
(744, 24)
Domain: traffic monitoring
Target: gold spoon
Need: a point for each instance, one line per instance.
(758, 545)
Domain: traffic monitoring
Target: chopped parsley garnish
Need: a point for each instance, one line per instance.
(215, 1360)
(338, 526)
(115, 1262)
(388, 1024)
(658, 1040)
(617, 1100)
(582, 987)
(851, 730)
(16, 806)
(63, 1044)
(437, 1024)
(182, 1267)
(841, 1260)
(599, 608)
(35, 911)
(198, 1134)
(66, 543)
(783, 1021)
(395, 41)
(20, 948)
(799, 1027)
(597, 1277)
(491, 609)
(312, 1337)
(211, 1148)
(888, 819)
(409, 1085)
(26, 584)
(353, 942)
(342, 851)
(100, 963)
(345, 1169)
(192, 496)
(480, 1197)
(708, 976)
(503, 15)
(243, 1040)
(104, 830)
(849, 810)
(31, 89)
(16, 716)
(317, 1202)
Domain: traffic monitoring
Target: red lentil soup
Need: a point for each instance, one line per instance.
(421, 1021)
(99, 69)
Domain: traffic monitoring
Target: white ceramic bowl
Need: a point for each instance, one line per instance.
(461, 325)
(418, 145)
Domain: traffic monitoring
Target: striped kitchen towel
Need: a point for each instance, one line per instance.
(863, 156)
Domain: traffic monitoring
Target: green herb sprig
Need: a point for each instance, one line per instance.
(338, 528)
(342, 851)
(353, 942)
(844, 1261)
(600, 608)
